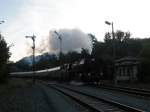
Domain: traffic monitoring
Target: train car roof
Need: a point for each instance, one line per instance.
(14, 73)
(39, 71)
(48, 70)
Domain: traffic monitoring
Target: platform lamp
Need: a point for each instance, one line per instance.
(113, 37)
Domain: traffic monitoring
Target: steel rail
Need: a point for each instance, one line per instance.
(134, 91)
(110, 102)
(89, 107)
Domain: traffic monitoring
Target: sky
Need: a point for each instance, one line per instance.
(39, 17)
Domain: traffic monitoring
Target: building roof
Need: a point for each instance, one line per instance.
(127, 61)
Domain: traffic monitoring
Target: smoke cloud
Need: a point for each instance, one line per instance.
(72, 40)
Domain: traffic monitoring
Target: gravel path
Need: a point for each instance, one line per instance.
(60, 102)
(22, 96)
(23, 99)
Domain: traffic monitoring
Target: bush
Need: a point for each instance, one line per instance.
(144, 74)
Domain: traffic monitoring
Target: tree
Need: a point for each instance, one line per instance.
(71, 57)
(120, 44)
(144, 56)
(119, 35)
(127, 35)
(47, 61)
(107, 37)
(4, 56)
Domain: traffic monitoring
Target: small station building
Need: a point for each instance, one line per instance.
(126, 69)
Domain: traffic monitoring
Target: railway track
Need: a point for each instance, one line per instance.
(94, 103)
(134, 91)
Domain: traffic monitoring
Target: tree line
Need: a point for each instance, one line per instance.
(102, 51)
(4, 56)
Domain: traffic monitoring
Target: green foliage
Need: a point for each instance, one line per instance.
(122, 45)
(22, 66)
(145, 61)
(47, 61)
(145, 52)
(71, 57)
(4, 56)
(144, 74)
(107, 37)
(120, 35)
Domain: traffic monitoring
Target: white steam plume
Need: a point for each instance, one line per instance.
(72, 40)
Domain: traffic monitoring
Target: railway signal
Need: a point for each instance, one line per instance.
(60, 38)
(33, 61)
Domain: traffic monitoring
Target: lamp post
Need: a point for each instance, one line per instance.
(114, 50)
(113, 37)
(33, 57)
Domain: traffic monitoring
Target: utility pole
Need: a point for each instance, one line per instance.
(33, 57)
